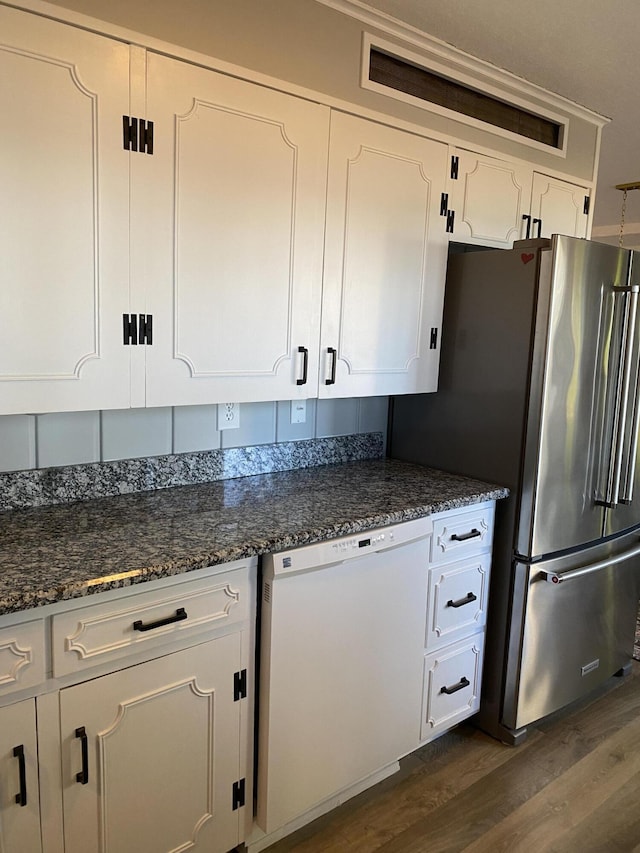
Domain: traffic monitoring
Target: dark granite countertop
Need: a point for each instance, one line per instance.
(55, 553)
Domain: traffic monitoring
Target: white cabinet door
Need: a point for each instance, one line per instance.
(162, 755)
(64, 276)
(489, 197)
(19, 799)
(233, 205)
(559, 206)
(385, 261)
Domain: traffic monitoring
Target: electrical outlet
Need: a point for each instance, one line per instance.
(298, 411)
(228, 415)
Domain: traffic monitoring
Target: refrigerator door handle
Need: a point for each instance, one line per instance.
(561, 577)
(626, 495)
(622, 383)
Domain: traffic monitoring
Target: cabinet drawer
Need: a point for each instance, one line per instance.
(109, 632)
(22, 656)
(457, 601)
(452, 680)
(458, 534)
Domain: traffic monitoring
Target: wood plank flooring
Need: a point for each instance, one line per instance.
(572, 787)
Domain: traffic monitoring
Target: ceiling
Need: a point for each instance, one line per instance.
(585, 50)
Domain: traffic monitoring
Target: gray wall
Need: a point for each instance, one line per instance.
(311, 45)
(70, 438)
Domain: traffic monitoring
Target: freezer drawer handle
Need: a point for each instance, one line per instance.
(469, 597)
(21, 797)
(462, 537)
(557, 577)
(179, 616)
(464, 682)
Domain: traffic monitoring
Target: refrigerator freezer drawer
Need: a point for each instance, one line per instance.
(567, 638)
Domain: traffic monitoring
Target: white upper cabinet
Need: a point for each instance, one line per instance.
(385, 260)
(64, 217)
(559, 206)
(233, 209)
(488, 197)
(495, 202)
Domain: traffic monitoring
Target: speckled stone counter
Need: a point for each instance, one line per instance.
(54, 553)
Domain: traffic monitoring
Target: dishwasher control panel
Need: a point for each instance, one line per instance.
(309, 557)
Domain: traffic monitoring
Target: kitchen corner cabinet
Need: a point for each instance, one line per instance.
(385, 261)
(234, 211)
(64, 220)
(496, 201)
(143, 734)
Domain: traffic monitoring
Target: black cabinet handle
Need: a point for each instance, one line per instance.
(333, 355)
(179, 616)
(539, 221)
(464, 682)
(83, 775)
(460, 602)
(18, 752)
(527, 219)
(462, 537)
(305, 365)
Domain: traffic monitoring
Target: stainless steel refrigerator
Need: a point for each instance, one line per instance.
(538, 391)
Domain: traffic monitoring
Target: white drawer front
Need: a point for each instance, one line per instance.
(452, 679)
(462, 533)
(109, 632)
(457, 600)
(22, 656)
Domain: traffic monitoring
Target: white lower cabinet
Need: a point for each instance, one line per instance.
(150, 755)
(143, 739)
(19, 794)
(458, 589)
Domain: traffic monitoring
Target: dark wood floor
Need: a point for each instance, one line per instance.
(572, 787)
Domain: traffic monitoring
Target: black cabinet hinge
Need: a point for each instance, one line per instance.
(587, 204)
(433, 339)
(137, 329)
(129, 329)
(237, 794)
(240, 685)
(145, 329)
(454, 167)
(137, 135)
(444, 204)
(451, 215)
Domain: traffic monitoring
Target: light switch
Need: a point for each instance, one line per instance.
(298, 411)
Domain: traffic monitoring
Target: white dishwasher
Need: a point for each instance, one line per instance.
(341, 661)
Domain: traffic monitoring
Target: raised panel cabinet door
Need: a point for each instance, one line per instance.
(161, 744)
(489, 197)
(64, 173)
(385, 261)
(19, 796)
(560, 207)
(233, 204)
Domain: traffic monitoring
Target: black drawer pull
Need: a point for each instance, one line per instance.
(464, 682)
(83, 775)
(462, 537)
(18, 752)
(179, 616)
(469, 597)
(305, 365)
(333, 355)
